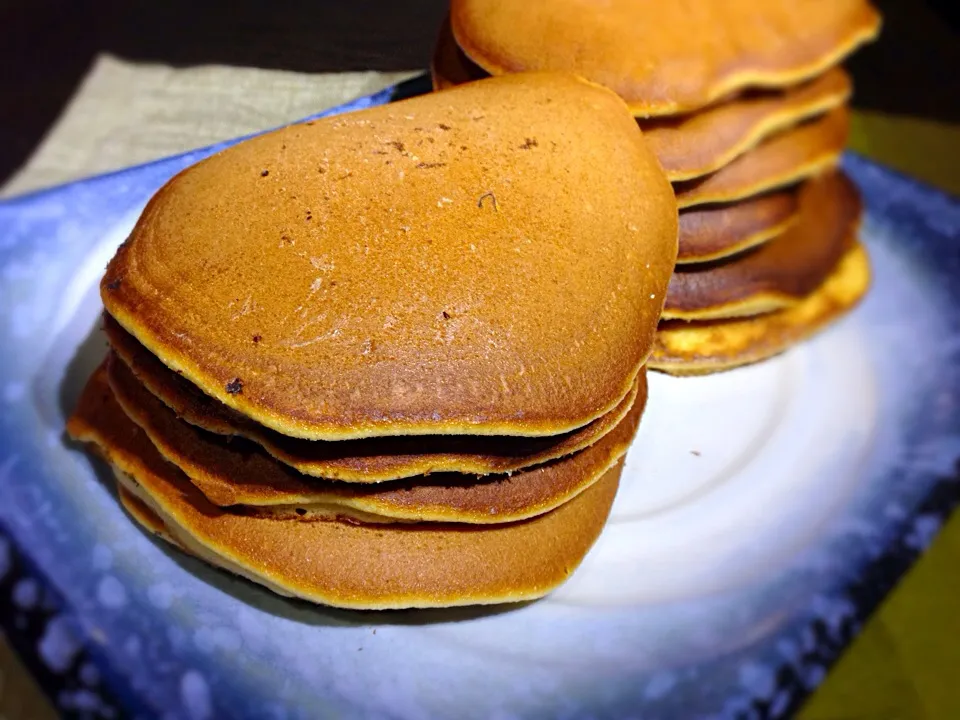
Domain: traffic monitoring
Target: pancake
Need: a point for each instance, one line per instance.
(691, 146)
(700, 348)
(782, 160)
(448, 65)
(352, 565)
(144, 516)
(665, 58)
(695, 145)
(779, 161)
(711, 232)
(366, 460)
(490, 260)
(236, 473)
(779, 273)
(134, 507)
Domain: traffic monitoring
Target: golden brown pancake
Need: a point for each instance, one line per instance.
(352, 565)
(700, 348)
(369, 459)
(782, 160)
(144, 515)
(490, 260)
(449, 66)
(695, 145)
(691, 146)
(780, 272)
(135, 507)
(665, 58)
(711, 232)
(234, 472)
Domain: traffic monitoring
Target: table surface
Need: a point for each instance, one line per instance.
(127, 97)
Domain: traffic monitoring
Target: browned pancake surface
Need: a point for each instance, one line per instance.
(354, 565)
(665, 58)
(698, 348)
(370, 459)
(232, 472)
(711, 232)
(779, 272)
(695, 145)
(146, 517)
(781, 160)
(490, 260)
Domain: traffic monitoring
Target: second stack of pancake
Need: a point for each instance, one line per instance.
(745, 106)
(768, 224)
(390, 359)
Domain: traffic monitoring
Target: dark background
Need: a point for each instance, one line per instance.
(47, 46)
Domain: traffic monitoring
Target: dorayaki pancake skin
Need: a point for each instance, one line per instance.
(695, 145)
(236, 473)
(449, 66)
(779, 161)
(701, 348)
(359, 566)
(146, 517)
(711, 232)
(780, 272)
(490, 260)
(691, 146)
(665, 58)
(133, 505)
(371, 459)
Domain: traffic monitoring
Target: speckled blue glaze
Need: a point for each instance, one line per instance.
(113, 622)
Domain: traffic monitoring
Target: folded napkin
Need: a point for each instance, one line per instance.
(128, 113)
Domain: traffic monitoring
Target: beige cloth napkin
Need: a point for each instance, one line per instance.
(129, 113)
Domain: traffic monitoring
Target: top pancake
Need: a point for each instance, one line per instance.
(665, 58)
(692, 146)
(487, 260)
(695, 145)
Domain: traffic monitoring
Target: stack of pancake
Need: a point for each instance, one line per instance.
(744, 104)
(392, 358)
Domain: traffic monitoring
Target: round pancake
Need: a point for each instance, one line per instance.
(711, 232)
(490, 260)
(779, 161)
(692, 146)
(780, 272)
(448, 65)
(359, 566)
(700, 348)
(370, 459)
(665, 58)
(695, 145)
(232, 472)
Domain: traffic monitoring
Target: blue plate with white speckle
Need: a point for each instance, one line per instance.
(738, 562)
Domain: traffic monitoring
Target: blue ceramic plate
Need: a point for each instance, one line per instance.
(762, 515)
